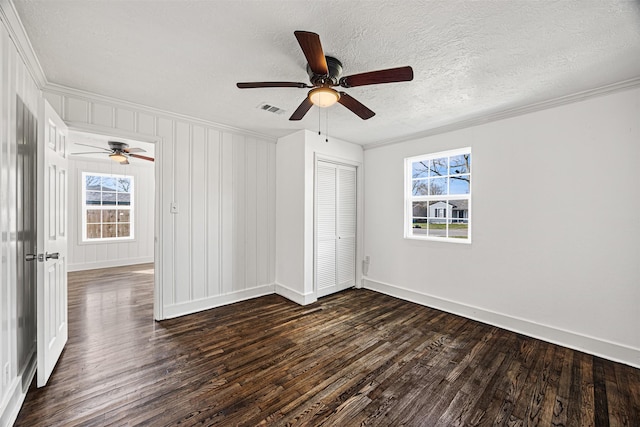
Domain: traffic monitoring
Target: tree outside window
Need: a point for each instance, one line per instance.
(438, 196)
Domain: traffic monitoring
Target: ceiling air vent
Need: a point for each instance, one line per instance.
(270, 108)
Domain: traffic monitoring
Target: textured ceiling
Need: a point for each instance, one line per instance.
(470, 58)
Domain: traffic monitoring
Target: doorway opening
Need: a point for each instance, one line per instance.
(112, 204)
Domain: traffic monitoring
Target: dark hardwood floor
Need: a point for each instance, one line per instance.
(355, 358)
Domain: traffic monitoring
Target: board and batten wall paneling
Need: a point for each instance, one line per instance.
(262, 211)
(239, 213)
(250, 221)
(15, 313)
(213, 239)
(165, 192)
(199, 214)
(226, 222)
(183, 226)
(86, 256)
(219, 246)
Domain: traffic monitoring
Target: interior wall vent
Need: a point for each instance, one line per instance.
(270, 108)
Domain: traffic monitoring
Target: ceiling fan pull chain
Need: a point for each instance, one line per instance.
(326, 134)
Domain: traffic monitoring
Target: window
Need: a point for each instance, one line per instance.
(438, 196)
(107, 207)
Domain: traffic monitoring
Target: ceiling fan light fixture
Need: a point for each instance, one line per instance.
(323, 96)
(325, 73)
(118, 157)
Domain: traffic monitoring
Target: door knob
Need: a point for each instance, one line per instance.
(30, 257)
(45, 256)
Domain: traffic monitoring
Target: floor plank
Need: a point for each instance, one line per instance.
(354, 358)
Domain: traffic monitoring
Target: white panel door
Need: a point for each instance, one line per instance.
(52, 243)
(335, 228)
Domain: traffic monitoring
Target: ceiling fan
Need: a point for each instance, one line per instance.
(325, 73)
(118, 151)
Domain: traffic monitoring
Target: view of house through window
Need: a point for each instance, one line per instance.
(438, 196)
(107, 207)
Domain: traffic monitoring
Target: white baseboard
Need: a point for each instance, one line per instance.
(190, 307)
(17, 391)
(595, 346)
(295, 296)
(109, 263)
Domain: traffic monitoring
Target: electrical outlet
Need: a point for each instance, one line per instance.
(5, 377)
(174, 208)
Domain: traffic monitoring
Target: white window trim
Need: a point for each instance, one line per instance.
(83, 211)
(409, 198)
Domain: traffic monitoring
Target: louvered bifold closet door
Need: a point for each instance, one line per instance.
(346, 259)
(335, 227)
(326, 180)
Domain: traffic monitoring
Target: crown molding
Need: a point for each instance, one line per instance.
(66, 91)
(18, 34)
(512, 112)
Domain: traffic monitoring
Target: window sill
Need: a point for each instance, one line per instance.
(440, 239)
(105, 241)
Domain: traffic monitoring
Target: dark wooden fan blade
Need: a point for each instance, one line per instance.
(392, 75)
(138, 156)
(93, 146)
(254, 85)
(301, 110)
(134, 150)
(312, 49)
(356, 106)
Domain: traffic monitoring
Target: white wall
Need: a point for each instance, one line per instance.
(555, 250)
(219, 247)
(14, 317)
(85, 256)
(290, 207)
(296, 156)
